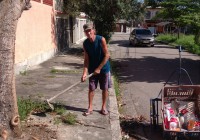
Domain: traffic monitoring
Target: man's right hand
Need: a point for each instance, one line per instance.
(83, 78)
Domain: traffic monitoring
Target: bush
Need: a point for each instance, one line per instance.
(186, 41)
(167, 38)
(25, 106)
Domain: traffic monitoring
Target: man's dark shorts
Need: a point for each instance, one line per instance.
(104, 80)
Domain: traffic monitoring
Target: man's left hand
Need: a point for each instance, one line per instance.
(97, 71)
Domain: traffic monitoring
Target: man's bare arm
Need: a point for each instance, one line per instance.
(85, 65)
(106, 55)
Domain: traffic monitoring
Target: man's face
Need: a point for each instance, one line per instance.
(89, 33)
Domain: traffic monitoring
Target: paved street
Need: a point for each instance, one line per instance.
(143, 71)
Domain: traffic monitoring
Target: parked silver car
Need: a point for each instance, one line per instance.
(140, 36)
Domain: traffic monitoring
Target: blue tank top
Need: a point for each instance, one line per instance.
(96, 54)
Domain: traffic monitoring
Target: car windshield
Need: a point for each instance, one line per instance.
(143, 32)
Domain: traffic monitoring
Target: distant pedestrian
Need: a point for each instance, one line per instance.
(96, 60)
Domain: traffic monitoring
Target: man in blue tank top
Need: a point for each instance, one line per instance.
(96, 60)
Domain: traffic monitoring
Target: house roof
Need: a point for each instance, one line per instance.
(162, 23)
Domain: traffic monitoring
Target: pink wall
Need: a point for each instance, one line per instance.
(35, 34)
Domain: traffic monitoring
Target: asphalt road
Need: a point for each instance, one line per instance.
(142, 72)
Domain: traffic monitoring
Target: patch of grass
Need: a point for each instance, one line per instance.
(120, 109)
(25, 106)
(50, 76)
(116, 85)
(60, 110)
(40, 95)
(186, 41)
(57, 120)
(114, 68)
(69, 118)
(167, 38)
(115, 77)
(57, 71)
(28, 83)
(23, 73)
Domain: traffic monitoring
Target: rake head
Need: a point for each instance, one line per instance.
(50, 105)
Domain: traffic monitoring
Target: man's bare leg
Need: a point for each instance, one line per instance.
(104, 99)
(90, 99)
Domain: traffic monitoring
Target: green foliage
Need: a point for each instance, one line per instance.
(57, 120)
(69, 118)
(116, 85)
(182, 13)
(25, 106)
(131, 10)
(71, 7)
(103, 14)
(185, 40)
(153, 3)
(167, 38)
(115, 77)
(60, 71)
(59, 109)
(193, 19)
(24, 73)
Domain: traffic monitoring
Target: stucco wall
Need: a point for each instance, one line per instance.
(34, 37)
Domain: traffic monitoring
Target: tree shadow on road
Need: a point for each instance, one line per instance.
(125, 43)
(155, 70)
(139, 130)
(121, 43)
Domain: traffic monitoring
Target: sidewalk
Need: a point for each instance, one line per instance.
(40, 82)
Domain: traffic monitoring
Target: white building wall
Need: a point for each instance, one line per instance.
(78, 33)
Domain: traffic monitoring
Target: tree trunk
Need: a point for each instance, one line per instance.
(10, 11)
(197, 37)
(178, 32)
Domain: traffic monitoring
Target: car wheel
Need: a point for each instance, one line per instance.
(130, 42)
(134, 43)
(152, 45)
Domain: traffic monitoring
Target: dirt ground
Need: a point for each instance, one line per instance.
(39, 128)
(38, 133)
(139, 129)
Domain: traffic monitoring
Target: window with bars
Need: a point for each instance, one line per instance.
(37, 1)
(47, 2)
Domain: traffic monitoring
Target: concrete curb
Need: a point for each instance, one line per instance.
(114, 114)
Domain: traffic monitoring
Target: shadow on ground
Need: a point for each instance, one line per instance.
(154, 70)
(135, 130)
(73, 51)
(139, 130)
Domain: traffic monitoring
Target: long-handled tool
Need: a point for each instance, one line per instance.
(48, 100)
